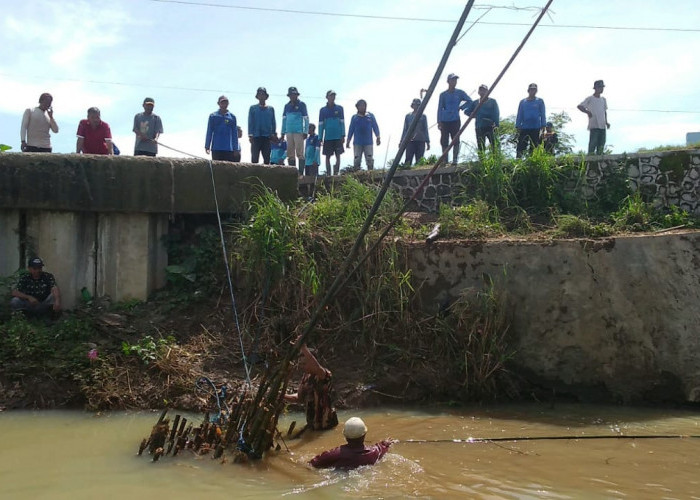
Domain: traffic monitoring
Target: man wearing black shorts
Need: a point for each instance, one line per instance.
(331, 132)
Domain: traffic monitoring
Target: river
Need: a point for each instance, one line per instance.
(76, 455)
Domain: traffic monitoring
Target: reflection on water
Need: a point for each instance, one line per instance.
(71, 455)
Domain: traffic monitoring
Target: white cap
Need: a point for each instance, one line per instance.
(354, 428)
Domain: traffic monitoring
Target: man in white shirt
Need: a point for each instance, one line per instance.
(596, 108)
(36, 124)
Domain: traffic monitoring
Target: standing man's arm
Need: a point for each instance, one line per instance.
(321, 126)
(159, 128)
(342, 123)
(543, 116)
(519, 117)
(52, 122)
(274, 122)
(351, 130)
(284, 123)
(497, 120)
(209, 136)
(251, 123)
(375, 127)
(79, 145)
(108, 140)
(304, 120)
(23, 128)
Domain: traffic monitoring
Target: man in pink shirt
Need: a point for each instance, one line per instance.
(355, 453)
(94, 135)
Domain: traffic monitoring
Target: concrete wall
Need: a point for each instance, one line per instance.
(615, 318)
(98, 222)
(668, 178)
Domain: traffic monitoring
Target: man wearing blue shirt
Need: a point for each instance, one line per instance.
(261, 127)
(331, 131)
(449, 104)
(487, 118)
(530, 122)
(313, 152)
(362, 125)
(295, 126)
(222, 134)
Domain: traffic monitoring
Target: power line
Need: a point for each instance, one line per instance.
(426, 19)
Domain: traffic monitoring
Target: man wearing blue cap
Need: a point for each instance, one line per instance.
(449, 104)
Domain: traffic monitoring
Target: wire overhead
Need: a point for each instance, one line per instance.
(427, 19)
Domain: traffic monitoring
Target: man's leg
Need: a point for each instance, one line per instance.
(357, 151)
(411, 153)
(17, 304)
(419, 150)
(522, 143)
(592, 141)
(488, 134)
(255, 150)
(480, 142)
(454, 129)
(336, 167)
(291, 156)
(265, 149)
(328, 165)
(600, 146)
(299, 142)
(369, 156)
(444, 137)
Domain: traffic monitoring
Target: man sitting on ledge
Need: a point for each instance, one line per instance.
(36, 293)
(354, 453)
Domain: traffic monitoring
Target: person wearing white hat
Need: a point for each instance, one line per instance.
(355, 453)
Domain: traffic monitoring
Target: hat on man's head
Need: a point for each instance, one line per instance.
(452, 76)
(549, 124)
(35, 262)
(598, 83)
(222, 98)
(292, 90)
(149, 100)
(262, 90)
(416, 102)
(330, 93)
(354, 428)
(532, 86)
(483, 86)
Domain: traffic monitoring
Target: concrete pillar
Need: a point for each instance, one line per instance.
(131, 257)
(9, 242)
(66, 243)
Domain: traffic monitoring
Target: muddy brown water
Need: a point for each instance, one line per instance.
(74, 455)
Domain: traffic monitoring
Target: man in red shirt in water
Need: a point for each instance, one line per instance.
(354, 453)
(94, 135)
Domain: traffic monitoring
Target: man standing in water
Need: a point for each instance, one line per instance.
(354, 453)
(314, 393)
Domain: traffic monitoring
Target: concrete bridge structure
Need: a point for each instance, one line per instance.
(99, 221)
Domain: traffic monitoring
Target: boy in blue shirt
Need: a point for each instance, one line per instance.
(222, 133)
(278, 151)
(312, 153)
(295, 125)
(361, 126)
(261, 127)
(531, 120)
(331, 131)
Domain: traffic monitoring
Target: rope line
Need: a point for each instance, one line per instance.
(225, 256)
(549, 438)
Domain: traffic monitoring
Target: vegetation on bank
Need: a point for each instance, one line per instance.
(283, 258)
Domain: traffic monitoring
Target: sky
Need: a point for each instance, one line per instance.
(184, 54)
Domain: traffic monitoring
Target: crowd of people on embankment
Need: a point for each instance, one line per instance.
(300, 143)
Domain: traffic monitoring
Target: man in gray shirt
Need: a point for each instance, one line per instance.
(147, 127)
